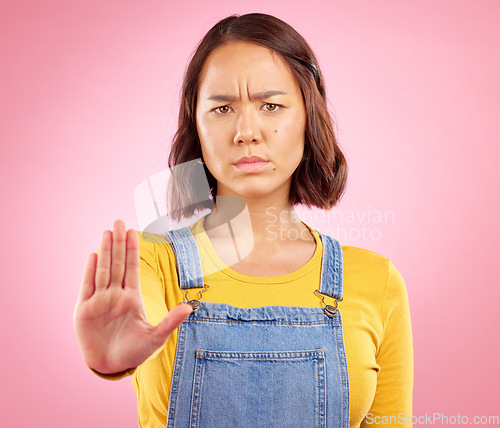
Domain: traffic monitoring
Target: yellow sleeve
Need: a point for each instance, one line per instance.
(153, 293)
(392, 404)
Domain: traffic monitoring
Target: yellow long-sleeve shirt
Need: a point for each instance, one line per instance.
(375, 314)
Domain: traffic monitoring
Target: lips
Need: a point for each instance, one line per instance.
(251, 164)
(251, 159)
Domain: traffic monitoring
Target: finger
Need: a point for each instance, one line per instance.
(88, 282)
(133, 261)
(118, 251)
(103, 262)
(168, 324)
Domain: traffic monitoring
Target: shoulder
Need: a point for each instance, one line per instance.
(361, 261)
(368, 270)
(152, 245)
(357, 253)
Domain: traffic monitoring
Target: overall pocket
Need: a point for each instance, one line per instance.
(259, 389)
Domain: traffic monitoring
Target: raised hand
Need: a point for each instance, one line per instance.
(110, 318)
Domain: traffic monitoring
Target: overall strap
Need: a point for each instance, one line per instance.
(331, 267)
(187, 257)
(190, 273)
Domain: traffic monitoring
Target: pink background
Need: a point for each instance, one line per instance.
(89, 97)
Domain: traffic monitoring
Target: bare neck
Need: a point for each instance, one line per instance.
(265, 225)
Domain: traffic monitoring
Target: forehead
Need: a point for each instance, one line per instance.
(240, 63)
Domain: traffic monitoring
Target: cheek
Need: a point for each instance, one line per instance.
(210, 151)
(290, 136)
(206, 142)
(211, 135)
(294, 125)
(201, 127)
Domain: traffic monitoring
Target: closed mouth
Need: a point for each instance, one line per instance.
(251, 159)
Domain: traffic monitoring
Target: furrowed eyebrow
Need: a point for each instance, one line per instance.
(222, 98)
(257, 96)
(267, 94)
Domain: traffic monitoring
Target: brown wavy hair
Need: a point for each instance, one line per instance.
(320, 179)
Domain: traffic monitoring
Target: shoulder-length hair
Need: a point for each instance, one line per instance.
(321, 176)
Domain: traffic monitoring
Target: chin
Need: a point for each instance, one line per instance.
(254, 187)
(252, 192)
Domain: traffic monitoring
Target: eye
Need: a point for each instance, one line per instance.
(271, 107)
(222, 109)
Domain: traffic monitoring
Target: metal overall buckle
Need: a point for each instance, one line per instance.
(330, 310)
(195, 304)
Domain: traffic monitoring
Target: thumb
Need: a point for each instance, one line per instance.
(171, 321)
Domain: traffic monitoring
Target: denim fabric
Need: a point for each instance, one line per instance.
(272, 366)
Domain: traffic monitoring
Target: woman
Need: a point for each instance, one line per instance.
(263, 343)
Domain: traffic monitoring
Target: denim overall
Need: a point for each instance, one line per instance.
(271, 366)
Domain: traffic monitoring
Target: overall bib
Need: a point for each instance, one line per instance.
(271, 366)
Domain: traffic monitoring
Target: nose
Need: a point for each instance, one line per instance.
(247, 127)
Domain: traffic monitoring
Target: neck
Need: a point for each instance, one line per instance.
(264, 222)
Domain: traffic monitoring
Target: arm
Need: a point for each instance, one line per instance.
(393, 396)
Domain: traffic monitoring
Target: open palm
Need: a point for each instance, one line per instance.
(110, 318)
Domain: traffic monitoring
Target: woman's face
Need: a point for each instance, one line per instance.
(249, 104)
